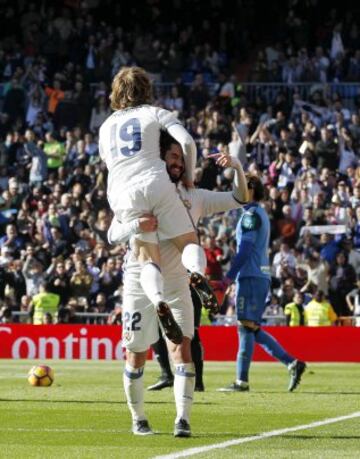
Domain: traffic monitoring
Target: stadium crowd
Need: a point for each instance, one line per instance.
(56, 66)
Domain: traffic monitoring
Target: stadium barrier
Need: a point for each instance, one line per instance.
(103, 318)
(313, 344)
(269, 91)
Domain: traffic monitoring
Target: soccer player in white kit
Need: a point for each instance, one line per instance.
(140, 328)
(138, 183)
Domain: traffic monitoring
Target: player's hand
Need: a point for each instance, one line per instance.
(224, 160)
(148, 223)
(187, 183)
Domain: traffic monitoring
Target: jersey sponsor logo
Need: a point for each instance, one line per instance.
(250, 221)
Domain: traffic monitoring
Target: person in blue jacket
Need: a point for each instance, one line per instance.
(250, 268)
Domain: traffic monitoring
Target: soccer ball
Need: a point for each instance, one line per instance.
(41, 375)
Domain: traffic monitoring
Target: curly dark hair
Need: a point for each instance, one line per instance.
(254, 183)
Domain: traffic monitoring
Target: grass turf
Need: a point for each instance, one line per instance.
(84, 414)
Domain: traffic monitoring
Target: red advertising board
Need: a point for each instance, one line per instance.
(318, 344)
(60, 342)
(313, 344)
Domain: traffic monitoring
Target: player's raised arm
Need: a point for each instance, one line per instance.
(222, 201)
(240, 188)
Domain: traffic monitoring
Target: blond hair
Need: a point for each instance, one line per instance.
(131, 87)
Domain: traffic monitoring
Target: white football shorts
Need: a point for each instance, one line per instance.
(140, 322)
(160, 198)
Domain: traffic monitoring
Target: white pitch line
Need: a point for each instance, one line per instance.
(273, 433)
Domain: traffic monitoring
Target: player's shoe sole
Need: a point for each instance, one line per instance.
(170, 326)
(161, 384)
(234, 387)
(205, 292)
(296, 371)
(142, 428)
(182, 429)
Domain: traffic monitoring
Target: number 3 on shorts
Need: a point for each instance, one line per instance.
(130, 133)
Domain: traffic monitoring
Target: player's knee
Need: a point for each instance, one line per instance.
(180, 353)
(136, 359)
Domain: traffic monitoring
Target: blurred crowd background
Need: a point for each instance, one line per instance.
(275, 85)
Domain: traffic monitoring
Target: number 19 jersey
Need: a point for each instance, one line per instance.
(129, 145)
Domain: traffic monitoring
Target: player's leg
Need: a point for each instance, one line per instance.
(152, 282)
(184, 374)
(184, 383)
(162, 356)
(134, 391)
(245, 310)
(273, 347)
(197, 352)
(140, 329)
(145, 247)
(194, 259)
(252, 319)
(175, 224)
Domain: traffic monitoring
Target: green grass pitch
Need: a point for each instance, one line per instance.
(84, 414)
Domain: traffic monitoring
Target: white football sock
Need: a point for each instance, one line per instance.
(184, 383)
(134, 391)
(194, 258)
(152, 282)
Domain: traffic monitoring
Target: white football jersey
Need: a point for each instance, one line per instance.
(200, 203)
(129, 145)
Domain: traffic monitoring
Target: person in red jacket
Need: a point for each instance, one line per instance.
(214, 256)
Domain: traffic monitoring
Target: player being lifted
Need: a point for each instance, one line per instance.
(138, 183)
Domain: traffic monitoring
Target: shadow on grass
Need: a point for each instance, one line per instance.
(100, 402)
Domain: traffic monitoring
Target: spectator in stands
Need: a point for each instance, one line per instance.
(294, 311)
(317, 273)
(287, 226)
(342, 279)
(58, 280)
(55, 152)
(33, 274)
(330, 247)
(284, 261)
(319, 312)
(274, 313)
(326, 150)
(80, 281)
(287, 292)
(214, 257)
(198, 93)
(44, 303)
(55, 95)
(16, 279)
(15, 101)
(12, 241)
(353, 302)
(110, 277)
